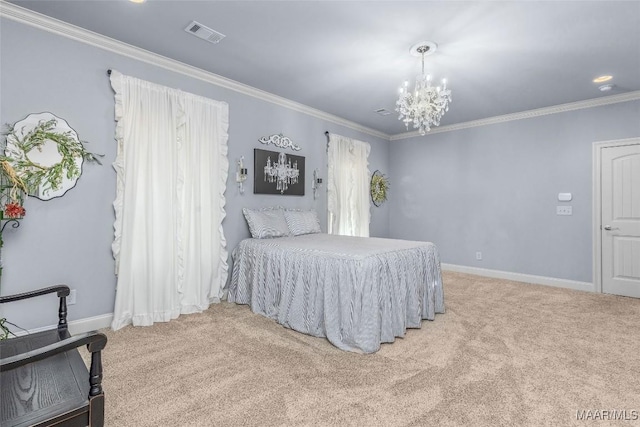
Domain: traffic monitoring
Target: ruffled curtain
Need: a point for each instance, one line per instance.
(348, 186)
(171, 168)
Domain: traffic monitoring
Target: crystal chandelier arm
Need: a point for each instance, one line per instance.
(427, 104)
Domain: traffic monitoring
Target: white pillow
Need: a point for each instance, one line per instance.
(302, 222)
(266, 222)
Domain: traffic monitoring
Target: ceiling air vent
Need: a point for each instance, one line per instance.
(205, 33)
(383, 111)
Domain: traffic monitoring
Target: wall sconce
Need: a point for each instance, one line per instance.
(316, 183)
(241, 174)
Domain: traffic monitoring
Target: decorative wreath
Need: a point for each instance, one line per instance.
(31, 177)
(379, 188)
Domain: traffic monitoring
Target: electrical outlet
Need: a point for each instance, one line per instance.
(71, 299)
(564, 210)
(479, 256)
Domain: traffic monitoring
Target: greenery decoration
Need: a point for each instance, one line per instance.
(31, 175)
(379, 188)
(12, 193)
(4, 331)
(21, 176)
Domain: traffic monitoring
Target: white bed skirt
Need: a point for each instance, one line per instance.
(357, 292)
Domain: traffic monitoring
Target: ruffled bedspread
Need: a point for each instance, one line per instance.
(358, 292)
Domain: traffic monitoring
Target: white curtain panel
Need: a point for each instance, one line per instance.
(348, 186)
(171, 168)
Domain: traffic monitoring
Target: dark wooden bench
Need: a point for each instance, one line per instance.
(43, 379)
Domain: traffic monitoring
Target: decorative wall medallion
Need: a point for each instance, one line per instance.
(45, 154)
(279, 140)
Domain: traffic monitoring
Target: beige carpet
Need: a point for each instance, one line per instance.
(504, 354)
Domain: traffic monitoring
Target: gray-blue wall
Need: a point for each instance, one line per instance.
(68, 240)
(494, 189)
(491, 188)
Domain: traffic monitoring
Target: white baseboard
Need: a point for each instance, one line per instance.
(90, 324)
(520, 277)
(77, 326)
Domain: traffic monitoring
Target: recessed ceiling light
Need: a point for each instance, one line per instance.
(602, 79)
(137, 1)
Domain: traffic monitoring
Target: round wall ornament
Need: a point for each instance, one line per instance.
(44, 154)
(379, 188)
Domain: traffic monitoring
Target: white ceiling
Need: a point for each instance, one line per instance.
(348, 58)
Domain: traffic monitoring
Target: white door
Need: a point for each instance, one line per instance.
(620, 228)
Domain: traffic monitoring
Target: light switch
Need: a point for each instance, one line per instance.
(565, 197)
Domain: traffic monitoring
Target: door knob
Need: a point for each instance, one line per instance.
(609, 228)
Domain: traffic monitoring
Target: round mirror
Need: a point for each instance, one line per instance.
(46, 155)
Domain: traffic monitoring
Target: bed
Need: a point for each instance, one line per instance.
(357, 292)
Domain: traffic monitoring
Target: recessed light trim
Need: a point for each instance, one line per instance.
(602, 79)
(137, 1)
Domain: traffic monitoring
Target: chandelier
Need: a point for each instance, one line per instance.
(426, 105)
(282, 172)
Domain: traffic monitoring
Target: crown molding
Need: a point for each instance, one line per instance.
(55, 26)
(562, 108)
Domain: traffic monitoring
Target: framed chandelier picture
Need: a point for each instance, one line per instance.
(278, 173)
